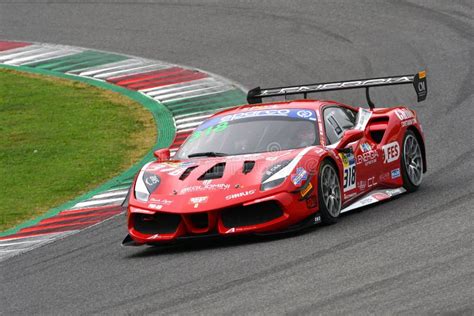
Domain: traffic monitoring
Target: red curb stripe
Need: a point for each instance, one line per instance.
(126, 80)
(57, 219)
(157, 78)
(11, 45)
(44, 232)
(179, 139)
(55, 227)
(184, 76)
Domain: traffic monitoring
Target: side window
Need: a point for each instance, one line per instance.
(336, 121)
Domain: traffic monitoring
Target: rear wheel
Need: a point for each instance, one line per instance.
(329, 192)
(412, 162)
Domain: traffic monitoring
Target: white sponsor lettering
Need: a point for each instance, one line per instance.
(239, 195)
(391, 152)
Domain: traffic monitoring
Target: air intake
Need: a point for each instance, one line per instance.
(248, 166)
(215, 172)
(187, 172)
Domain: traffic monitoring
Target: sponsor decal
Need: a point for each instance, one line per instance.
(368, 158)
(371, 182)
(170, 168)
(383, 177)
(239, 195)
(349, 164)
(337, 85)
(391, 152)
(205, 187)
(404, 114)
(198, 200)
(300, 175)
(209, 131)
(395, 173)
(152, 179)
(365, 147)
(304, 113)
(409, 122)
(380, 196)
(155, 206)
(306, 190)
(160, 201)
(362, 185)
(261, 112)
(317, 219)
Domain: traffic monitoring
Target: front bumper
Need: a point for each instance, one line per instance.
(275, 213)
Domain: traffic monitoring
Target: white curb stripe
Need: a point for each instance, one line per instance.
(90, 203)
(130, 71)
(91, 71)
(111, 193)
(41, 57)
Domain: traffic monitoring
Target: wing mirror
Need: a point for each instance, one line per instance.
(349, 136)
(162, 154)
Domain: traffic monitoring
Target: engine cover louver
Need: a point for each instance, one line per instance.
(216, 172)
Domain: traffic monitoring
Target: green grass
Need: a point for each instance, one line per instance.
(61, 138)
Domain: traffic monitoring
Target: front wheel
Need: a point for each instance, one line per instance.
(329, 192)
(412, 162)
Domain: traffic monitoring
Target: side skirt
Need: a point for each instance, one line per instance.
(374, 197)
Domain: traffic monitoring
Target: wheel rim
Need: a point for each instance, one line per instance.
(413, 160)
(331, 190)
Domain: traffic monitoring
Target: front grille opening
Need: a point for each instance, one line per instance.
(187, 172)
(159, 223)
(216, 172)
(199, 220)
(251, 215)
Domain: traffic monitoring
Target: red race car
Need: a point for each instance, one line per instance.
(279, 166)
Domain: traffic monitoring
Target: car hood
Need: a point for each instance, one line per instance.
(205, 183)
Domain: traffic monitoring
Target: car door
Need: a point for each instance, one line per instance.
(360, 160)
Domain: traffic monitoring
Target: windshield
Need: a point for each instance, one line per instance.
(252, 132)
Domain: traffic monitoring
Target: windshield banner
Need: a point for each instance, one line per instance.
(304, 114)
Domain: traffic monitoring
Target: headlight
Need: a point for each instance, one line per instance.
(274, 176)
(147, 182)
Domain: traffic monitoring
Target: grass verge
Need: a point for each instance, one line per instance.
(61, 138)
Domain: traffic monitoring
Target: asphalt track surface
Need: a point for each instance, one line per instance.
(412, 254)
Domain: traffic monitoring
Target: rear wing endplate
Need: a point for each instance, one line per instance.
(418, 80)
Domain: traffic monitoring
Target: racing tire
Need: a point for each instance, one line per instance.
(329, 193)
(411, 162)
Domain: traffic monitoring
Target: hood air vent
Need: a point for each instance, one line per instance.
(186, 172)
(215, 172)
(248, 166)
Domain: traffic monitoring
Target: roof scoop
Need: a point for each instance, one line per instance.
(216, 172)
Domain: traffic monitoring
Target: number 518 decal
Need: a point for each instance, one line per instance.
(349, 164)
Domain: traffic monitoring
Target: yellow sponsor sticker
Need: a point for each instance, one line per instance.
(306, 190)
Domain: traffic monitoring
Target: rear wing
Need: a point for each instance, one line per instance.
(418, 80)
